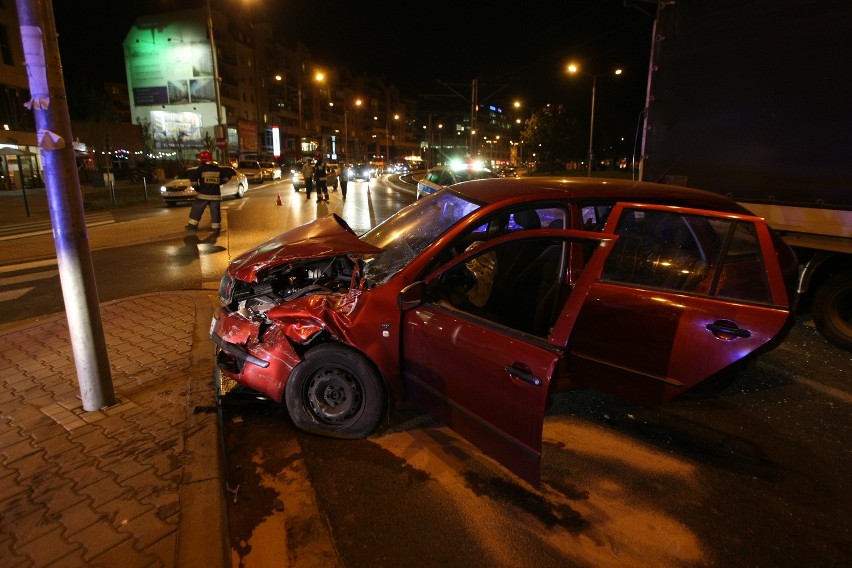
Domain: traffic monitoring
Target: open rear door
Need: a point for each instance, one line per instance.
(684, 294)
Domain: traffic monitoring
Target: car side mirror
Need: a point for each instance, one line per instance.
(411, 296)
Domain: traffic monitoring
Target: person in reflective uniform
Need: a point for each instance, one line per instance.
(207, 179)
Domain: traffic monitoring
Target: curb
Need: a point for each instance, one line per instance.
(202, 488)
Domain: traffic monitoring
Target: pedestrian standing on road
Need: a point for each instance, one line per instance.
(321, 179)
(308, 174)
(207, 179)
(343, 179)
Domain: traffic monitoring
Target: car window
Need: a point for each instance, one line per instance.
(447, 179)
(742, 274)
(518, 284)
(407, 234)
(514, 219)
(595, 215)
(688, 253)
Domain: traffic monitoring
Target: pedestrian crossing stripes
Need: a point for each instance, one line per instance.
(10, 288)
(43, 227)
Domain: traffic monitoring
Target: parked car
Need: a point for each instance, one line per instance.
(479, 302)
(271, 170)
(180, 189)
(251, 169)
(439, 177)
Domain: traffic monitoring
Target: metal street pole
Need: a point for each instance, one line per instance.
(345, 133)
(222, 130)
(592, 124)
(76, 273)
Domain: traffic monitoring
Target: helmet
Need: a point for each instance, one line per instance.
(204, 156)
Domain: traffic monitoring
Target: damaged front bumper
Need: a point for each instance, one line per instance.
(263, 366)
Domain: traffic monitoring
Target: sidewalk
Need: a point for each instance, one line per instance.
(19, 206)
(135, 484)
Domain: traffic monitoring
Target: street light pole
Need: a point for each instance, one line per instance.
(592, 125)
(222, 134)
(573, 69)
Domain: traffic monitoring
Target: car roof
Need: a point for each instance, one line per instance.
(494, 190)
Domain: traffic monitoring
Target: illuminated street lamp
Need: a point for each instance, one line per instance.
(573, 69)
(358, 103)
(440, 142)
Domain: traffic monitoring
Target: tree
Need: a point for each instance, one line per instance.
(147, 139)
(554, 136)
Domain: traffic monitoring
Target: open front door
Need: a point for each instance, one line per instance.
(478, 355)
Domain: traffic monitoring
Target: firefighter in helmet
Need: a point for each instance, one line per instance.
(207, 179)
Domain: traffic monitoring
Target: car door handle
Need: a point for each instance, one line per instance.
(523, 375)
(728, 330)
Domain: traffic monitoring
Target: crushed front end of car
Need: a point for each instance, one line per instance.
(279, 297)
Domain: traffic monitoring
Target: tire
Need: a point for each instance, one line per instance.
(335, 392)
(832, 309)
(241, 191)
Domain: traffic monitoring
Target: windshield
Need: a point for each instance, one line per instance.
(407, 233)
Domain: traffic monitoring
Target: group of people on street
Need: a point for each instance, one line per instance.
(316, 177)
(208, 177)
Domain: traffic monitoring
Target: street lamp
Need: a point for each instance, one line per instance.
(358, 103)
(440, 142)
(573, 69)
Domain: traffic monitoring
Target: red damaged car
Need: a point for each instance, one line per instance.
(480, 301)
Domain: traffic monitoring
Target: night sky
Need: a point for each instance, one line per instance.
(422, 47)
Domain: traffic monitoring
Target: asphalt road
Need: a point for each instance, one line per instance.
(145, 248)
(758, 476)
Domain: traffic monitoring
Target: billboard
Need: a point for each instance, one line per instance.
(169, 67)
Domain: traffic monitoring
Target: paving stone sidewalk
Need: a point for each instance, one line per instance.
(135, 484)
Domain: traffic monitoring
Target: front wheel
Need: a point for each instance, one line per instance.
(241, 191)
(832, 309)
(335, 392)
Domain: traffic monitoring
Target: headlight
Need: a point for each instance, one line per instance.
(163, 189)
(226, 289)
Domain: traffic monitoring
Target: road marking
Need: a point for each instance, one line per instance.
(28, 265)
(35, 228)
(13, 294)
(28, 277)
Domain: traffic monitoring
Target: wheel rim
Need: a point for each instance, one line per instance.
(334, 395)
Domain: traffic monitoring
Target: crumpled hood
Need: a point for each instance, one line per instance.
(325, 237)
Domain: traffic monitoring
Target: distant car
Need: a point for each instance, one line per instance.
(507, 171)
(440, 177)
(361, 171)
(298, 178)
(479, 302)
(271, 170)
(332, 175)
(252, 170)
(180, 189)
